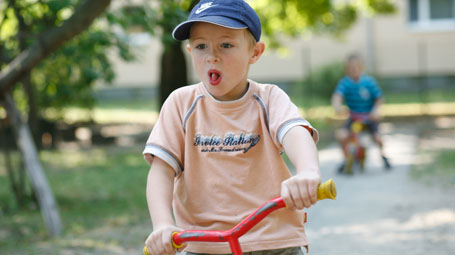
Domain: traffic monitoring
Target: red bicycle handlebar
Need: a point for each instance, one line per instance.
(232, 235)
(326, 190)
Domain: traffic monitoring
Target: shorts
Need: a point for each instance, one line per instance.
(284, 251)
(372, 126)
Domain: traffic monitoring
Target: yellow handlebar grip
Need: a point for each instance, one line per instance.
(176, 246)
(327, 190)
(357, 127)
(146, 251)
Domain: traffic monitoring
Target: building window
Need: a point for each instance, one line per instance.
(442, 9)
(431, 15)
(413, 10)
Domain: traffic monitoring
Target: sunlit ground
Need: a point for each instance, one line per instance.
(381, 212)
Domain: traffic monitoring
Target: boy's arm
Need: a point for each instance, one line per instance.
(337, 102)
(160, 186)
(159, 192)
(374, 113)
(300, 191)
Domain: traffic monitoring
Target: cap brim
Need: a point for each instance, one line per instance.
(182, 31)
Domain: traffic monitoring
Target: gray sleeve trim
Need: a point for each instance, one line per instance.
(190, 111)
(285, 127)
(165, 155)
(264, 108)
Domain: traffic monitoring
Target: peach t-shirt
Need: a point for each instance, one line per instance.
(227, 160)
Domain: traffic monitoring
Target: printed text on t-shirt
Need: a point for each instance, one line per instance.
(230, 143)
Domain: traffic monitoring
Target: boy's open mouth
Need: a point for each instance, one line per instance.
(214, 77)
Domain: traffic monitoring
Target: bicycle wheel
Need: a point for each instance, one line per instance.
(349, 164)
(361, 155)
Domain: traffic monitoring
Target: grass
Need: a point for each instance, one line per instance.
(440, 170)
(416, 97)
(317, 110)
(108, 181)
(131, 104)
(94, 188)
(436, 160)
(306, 101)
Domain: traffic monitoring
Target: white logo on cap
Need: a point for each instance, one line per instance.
(204, 7)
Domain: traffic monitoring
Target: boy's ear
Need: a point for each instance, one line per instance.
(188, 48)
(257, 52)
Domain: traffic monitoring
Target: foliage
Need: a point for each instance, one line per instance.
(153, 18)
(379, 6)
(322, 82)
(296, 17)
(67, 76)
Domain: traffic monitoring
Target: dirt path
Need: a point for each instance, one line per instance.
(383, 212)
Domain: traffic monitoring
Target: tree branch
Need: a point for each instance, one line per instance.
(50, 41)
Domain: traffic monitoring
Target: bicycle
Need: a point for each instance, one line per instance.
(326, 190)
(357, 145)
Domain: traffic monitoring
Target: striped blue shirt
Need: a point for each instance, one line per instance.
(359, 96)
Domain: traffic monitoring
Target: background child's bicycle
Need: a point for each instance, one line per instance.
(358, 143)
(326, 190)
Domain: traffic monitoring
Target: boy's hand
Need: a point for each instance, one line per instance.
(300, 191)
(160, 241)
(374, 115)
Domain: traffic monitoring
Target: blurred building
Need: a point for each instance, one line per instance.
(417, 41)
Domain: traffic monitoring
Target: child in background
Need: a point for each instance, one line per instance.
(215, 151)
(363, 97)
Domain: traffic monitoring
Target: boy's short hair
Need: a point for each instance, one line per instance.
(234, 14)
(353, 56)
(250, 38)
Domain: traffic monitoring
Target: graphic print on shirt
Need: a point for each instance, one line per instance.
(230, 142)
(364, 93)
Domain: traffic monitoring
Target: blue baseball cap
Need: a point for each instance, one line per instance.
(234, 14)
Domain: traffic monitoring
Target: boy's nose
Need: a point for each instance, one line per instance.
(213, 56)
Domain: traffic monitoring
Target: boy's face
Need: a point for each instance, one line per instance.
(354, 69)
(221, 58)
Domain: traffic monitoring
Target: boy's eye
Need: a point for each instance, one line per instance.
(201, 46)
(226, 45)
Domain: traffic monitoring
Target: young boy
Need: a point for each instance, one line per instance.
(215, 149)
(363, 97)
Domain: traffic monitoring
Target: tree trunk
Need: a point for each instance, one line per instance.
(173, 69)
(173, 73)
(33, 116)
(14, 184)
(16, 174)
(34, 168)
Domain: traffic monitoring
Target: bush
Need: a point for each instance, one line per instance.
(323, 81)
(317, 88)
